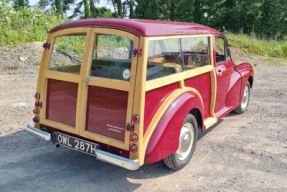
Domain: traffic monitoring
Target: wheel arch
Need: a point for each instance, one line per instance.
(162, 136)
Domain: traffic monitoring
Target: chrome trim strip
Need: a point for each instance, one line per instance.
(43, 134)
(117, 160)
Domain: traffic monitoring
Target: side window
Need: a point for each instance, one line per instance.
(221, 50)
(67, 54)
(164, 58)
(196, 52)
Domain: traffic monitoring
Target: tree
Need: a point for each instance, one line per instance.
(86, 8)
(20, 3)
(59, 8)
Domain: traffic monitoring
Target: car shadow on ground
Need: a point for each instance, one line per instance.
(28, 163)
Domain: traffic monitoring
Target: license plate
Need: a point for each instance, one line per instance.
(75, 143)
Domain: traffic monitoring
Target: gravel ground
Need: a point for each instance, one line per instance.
(246, 152)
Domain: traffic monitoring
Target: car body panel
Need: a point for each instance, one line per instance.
(165, 138)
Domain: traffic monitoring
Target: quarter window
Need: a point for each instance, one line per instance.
(163, 58)
(169, 56)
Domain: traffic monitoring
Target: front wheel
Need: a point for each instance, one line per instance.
(245, 101)
(187, 142)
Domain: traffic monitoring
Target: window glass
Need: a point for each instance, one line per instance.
(163, 58)
(67, 54)
(112, 57)
(219, 49)
(196, 52)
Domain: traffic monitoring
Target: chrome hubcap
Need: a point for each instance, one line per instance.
(245, 97)
(185, 141)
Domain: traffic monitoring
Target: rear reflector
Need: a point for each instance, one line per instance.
(37, 96)
(133, 148)
(36, 119)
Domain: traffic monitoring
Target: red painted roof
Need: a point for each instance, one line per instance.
(143, 27)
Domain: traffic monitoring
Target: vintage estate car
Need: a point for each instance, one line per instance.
(134, 92)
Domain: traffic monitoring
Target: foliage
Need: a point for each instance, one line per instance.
(18, 4)
(25, 25)
(59, 8)
(265, 47)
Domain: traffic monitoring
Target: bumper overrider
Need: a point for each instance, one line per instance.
(100, 154)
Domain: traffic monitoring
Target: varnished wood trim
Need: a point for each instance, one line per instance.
(209, 122)
(160, 112)
(71, 31)
(160, 82)
(213, 82)
(139, 100)
(63, 77)
(110, 83)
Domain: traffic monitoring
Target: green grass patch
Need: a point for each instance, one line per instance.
(265, 47)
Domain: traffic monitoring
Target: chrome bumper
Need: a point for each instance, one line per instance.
(100, 155)
(43, 134)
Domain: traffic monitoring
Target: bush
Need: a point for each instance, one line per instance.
(26, 25)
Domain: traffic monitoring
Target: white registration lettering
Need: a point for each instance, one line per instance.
(69, 142)
(82, 146)
(93, 149)
(64, 140)
(77, 144)
(60, 139)
(88, 144)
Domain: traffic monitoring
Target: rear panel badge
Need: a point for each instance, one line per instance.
(115, 128)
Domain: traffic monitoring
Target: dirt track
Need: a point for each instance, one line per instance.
(245, 152)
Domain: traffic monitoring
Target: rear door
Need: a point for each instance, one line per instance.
(89, 77)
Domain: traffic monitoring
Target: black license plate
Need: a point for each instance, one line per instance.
(75, 143)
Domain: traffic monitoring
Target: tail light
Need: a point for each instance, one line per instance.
(135, 118)
(37, 96)
(36, 119)
(133, 148)
(36, 111)
(133, 137)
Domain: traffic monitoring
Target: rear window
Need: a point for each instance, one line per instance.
(67, 54)
(112, 57)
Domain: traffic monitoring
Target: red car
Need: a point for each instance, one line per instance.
(134, 92)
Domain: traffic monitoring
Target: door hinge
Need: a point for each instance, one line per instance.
(137, 52)
(47, 45)
(130, 128)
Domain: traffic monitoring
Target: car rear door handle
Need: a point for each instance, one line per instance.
(219, 72)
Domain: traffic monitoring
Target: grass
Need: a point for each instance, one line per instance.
(264, 47)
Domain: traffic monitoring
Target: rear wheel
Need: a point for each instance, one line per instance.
(187, 142)
(245, 101)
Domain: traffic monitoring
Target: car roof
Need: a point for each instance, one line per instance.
(143, 27)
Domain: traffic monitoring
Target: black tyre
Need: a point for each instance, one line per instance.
(245, 101)
(187, 142)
